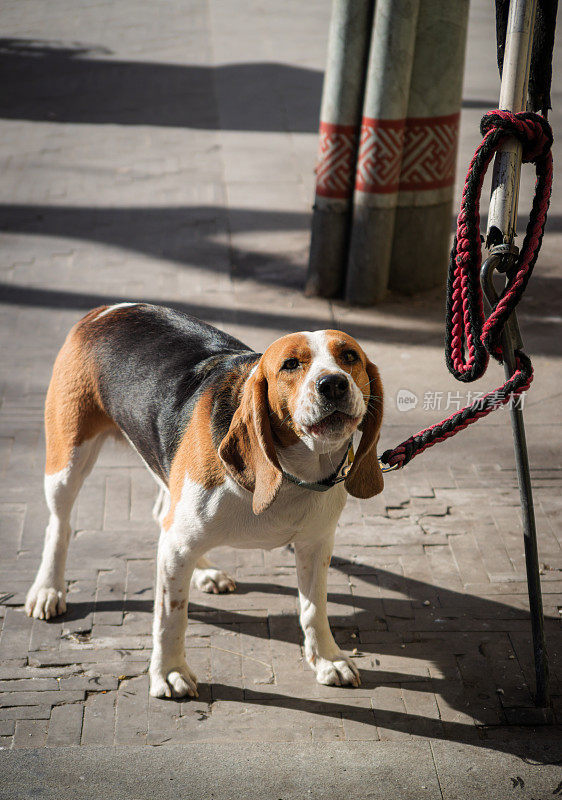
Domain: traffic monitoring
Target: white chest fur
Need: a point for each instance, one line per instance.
(225, 515)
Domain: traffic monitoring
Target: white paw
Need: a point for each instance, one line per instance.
(339, 671)
(214, 581)
(177, 682)
(44, 602)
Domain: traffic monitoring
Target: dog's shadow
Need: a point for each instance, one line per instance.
(466, 661)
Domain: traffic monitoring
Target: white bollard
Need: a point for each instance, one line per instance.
(380, 151)
(342, 101)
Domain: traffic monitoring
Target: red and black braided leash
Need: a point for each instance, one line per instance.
(471, 338)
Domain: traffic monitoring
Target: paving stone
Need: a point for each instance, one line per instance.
(131, 717)
(89, 683)
(29, 684)
(359, 722)
(14, 639)
(421, 705)
(7, 727)
(45, 637)
(25, 712)
(36, 698)
(65, 726)
(390, 713)
(99, 718)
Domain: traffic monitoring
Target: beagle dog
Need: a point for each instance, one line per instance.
(249, 450)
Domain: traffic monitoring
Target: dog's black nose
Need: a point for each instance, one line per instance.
(332, 387)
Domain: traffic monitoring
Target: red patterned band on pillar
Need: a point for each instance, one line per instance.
(380, 155)
(334, 173)
(414, 154)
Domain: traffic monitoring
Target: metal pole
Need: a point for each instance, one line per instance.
(340, 119)
(506, 176)
(501, 231)
(380, 151)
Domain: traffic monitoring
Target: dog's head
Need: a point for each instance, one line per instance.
(315, 387)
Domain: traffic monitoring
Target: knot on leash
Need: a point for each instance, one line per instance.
(471, 338)
(532, 130)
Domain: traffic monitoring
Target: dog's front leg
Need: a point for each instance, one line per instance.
(170, 675)
(322, 653)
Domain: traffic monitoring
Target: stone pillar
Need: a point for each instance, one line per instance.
(380, 150)
(342, 101)
(422, 225)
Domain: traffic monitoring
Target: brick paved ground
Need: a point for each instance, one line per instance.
(165, 152)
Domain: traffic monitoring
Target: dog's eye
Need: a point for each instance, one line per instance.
(290, 364)
(349, 356)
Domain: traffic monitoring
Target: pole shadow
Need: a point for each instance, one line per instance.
(47, 81)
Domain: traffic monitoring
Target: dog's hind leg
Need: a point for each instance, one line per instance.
(208, 578)
(75, 426)
(46, 598)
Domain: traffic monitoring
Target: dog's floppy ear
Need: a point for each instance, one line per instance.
(248, 449)
(365, 478)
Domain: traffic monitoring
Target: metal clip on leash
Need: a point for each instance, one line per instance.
(502, 258)
(388, 467)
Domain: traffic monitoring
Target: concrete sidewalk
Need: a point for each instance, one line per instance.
(287, 771)
(165, 152)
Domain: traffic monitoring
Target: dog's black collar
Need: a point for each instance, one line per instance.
(332, 480)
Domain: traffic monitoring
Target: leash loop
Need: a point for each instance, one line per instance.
(471, 338)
